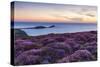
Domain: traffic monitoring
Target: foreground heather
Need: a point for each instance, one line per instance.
(56, 48)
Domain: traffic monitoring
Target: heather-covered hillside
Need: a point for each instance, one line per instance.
(56, 48)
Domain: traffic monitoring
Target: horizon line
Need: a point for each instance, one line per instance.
(53, 22)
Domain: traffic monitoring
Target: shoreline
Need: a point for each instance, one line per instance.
(20, 30)
(65, 33)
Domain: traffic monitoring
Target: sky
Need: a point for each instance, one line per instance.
(49, 12)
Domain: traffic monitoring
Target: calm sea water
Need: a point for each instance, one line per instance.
(59, 28)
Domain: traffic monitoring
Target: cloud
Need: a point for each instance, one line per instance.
(91, 15)
(90, 12)
(76, 19)
(68, 18)
(59, 16)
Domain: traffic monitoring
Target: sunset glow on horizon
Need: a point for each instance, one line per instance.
(46, 12)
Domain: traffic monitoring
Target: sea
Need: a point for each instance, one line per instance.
(59, 27)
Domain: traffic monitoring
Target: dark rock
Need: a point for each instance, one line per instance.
(19, 33)
(39, 27)
(52, 26)
(42, 27)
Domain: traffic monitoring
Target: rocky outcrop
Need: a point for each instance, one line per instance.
(38, 27)
(19, 33)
